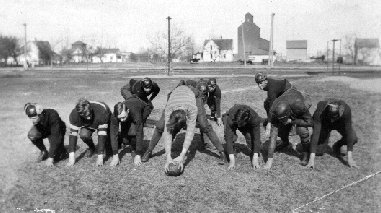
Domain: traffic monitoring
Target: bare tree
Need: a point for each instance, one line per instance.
(349, 45)
(182, 44)
(67, 54)
(9, 47)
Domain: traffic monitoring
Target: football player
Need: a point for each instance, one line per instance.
(184, 102)
(288, 110)
(332, 115)
(274, 88)
(144, 89)
(129, 115)
(46, 124)
(86, 118)
(246, 120)
(214, 100)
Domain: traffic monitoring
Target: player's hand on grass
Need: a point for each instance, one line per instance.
(71, 159)
(49, 162)
(254, 161)
(169, 161)
(311, 165)
(115, 160)
(268, 164)
(179, 161)
(100, 160)
(137, 160)
(352, 164)
(219, 121)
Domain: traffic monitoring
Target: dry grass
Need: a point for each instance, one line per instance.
(205, 186)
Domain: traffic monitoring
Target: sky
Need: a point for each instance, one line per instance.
(127, 24)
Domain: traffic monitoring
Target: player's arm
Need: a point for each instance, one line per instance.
(73, 135)
(349, 135)
(191, 125)
(55, 137)
(218, 101)
(229, 137)
(114, 130)
(255, 135)
(273, 137)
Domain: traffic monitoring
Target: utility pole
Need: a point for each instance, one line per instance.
(243, 44)
(271, 52)
(25, 48)
(326, 57)
(169, 45)
(341, 58)
(333, 55)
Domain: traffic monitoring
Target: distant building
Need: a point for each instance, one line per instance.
(218, 50)
(38, 52)
(250, 34)
(79, 52)
(367, 51)
(109, 56)
(296, 50)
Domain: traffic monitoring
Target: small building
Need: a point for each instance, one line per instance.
(79, 52)
(367, 51)
(218, 50)
(296, 50)
(108, 56)
(38, 52)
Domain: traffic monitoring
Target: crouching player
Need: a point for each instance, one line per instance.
(85, 118)
(189, 100)
(288, 110)
(275, 88)
(144, 89)
(46, 124)
(214, 101)
(247, 121)
(130, 115)
(333, 115)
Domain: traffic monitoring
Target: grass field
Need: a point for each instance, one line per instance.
(205, 186)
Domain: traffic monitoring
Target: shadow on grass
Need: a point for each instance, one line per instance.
(286, 150)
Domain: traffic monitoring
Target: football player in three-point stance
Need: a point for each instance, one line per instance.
(288, 110)
(46, 124)
(246, 120)
(86, 118)
(332, 115)
(129, 114)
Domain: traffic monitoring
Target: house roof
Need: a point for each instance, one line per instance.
(78, 43)
(108, 51)
(296, 44)
(367, 43)
(223, 44)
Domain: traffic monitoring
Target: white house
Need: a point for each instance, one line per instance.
(218, 50)
(31, 56)
(79, 52)
(110, 56)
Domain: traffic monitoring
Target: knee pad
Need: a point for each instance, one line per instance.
(85, 134)
(34, 134)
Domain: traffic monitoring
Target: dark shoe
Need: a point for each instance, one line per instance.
(61, 156)
(222, 159)
(90, 152)
(43, 156)
(146, 156)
